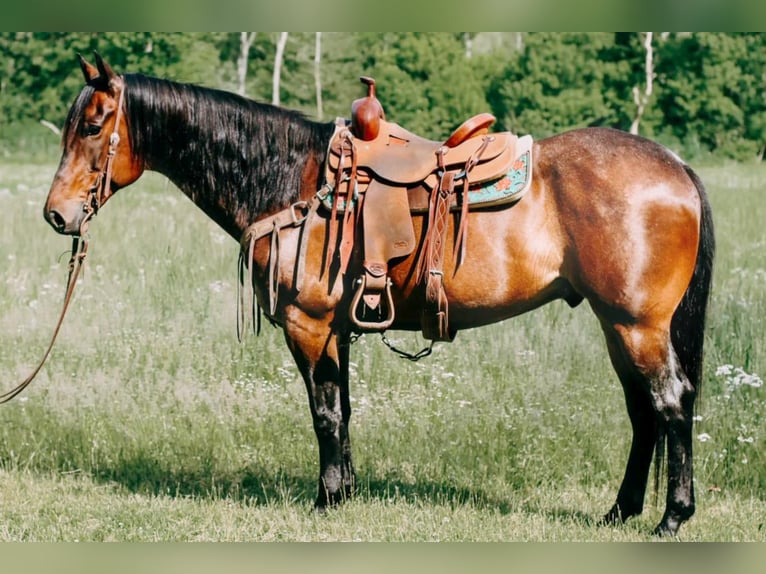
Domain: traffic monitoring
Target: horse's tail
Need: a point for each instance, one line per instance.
(688, 324)
(687, 327)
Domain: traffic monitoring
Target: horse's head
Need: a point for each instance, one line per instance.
(96, 159)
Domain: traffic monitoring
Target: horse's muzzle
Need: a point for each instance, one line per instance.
(56, 220)
(65, 219)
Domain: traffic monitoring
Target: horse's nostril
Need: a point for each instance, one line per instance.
(56, 220)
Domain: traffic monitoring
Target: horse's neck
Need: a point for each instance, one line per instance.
(235, 181)
(227, 209)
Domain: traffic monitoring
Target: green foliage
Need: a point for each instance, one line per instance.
(708, 88)
(712, 83)
(425, 80)
(554, 84)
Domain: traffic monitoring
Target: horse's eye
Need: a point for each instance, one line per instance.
(91, 130)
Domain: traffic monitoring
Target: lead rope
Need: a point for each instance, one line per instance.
(98, 195)
(76, 262)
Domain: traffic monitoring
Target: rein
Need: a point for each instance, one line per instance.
(98, 195)
(76, 261)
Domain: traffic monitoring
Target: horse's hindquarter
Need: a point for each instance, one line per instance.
(631, 218)
(603, 215)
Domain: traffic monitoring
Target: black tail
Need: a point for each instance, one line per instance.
(687, 327)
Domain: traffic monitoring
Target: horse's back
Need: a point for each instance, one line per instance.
(606, 152)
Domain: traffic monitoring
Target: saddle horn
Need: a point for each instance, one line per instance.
(366, 113)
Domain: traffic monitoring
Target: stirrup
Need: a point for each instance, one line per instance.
(358, 305)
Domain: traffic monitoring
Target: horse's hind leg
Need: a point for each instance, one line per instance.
(643, 420)
(323, 360)
(658, 395)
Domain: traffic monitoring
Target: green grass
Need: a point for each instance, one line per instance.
(150, 421)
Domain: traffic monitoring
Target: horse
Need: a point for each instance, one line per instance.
(611, 218)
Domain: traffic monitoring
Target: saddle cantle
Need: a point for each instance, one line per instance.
(378, 173)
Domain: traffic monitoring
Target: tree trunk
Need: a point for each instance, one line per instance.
(317, 75)
(278, 67)
(641, 99)
(245, 41)
(519, 41)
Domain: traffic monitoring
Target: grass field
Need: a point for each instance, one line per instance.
(150, 422)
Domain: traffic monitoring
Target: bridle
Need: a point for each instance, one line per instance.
(102, 191)
(98, 195)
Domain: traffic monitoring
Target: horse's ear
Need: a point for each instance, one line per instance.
(105, 72)
(88, 70)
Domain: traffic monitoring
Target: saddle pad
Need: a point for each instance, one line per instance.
(506, 189)
(511, 186)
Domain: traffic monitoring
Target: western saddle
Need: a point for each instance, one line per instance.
(376, 175)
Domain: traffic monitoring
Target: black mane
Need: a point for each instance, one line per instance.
(236, 158)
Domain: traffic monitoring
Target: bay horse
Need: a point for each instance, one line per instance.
(610, 218)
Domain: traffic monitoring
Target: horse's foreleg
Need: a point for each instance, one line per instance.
(653, 380)
(349, 474)
(323, 363)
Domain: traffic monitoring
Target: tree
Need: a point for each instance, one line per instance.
(712, 96)
(642, 98)
(317, 75)
(555, 83)
(695, 92)
(425, 81)
(278, 57)
(245, 41)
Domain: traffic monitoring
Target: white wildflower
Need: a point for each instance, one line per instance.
(743, 378)
(704, 437)
(724, 370)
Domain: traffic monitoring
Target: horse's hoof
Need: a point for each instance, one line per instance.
(612, 518)
(668, 528)
(617, 515)
(327, 500)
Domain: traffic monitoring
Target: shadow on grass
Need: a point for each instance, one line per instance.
(436, 493)
(258, 485)
(565, 515)
(261, 486)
